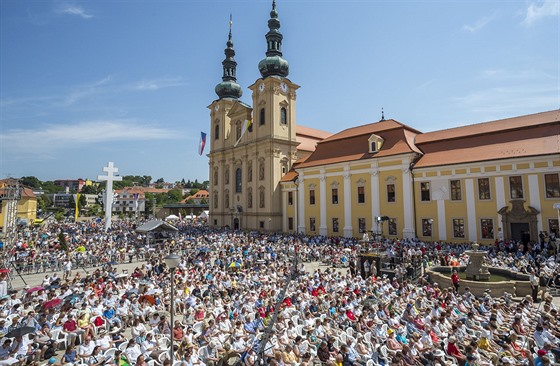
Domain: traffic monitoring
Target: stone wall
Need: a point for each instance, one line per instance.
(518, 286)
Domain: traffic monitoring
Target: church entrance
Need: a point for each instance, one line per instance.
(236, 224)
(519, 221)
(520, 231)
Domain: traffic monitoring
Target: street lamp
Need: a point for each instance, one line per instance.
(172, 262)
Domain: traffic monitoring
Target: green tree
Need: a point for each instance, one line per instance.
(31, 181)
(89, 189)
(44, 202)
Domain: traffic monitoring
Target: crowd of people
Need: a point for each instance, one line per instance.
(245, 297)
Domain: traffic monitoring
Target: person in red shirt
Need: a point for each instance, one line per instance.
(455, 281)
(453, 351)
(70, 327)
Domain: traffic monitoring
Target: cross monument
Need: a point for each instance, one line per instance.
(110, 178)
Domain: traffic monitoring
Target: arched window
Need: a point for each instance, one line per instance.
(226, 200)
(215, 199)
(250, 172)
(261, 117)
(215, 176)
(226, 176)
(261, 169)
(238, 185)
(283, 116)
(216, 132)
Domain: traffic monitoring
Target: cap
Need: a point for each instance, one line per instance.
(541, 352)
(52, 360)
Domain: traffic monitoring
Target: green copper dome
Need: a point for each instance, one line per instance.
(273, 64)
(229, 88)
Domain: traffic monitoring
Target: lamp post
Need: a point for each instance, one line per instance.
(172, 261)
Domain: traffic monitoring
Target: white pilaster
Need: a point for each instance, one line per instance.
(535, 198)
(323, 204)
(284, 211)
(408, 204)
(500, 203)
(471, 209)
(301, 204)
(375, 207)
(442, 222)
(347, 203)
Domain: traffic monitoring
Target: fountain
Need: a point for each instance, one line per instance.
(476, 269)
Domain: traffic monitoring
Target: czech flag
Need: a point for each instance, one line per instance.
(202, 143)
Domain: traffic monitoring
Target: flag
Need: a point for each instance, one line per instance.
(76, 202)
(136, 196)
(202, 143)
(244, 128)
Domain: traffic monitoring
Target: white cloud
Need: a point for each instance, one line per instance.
(541, 9)
(479, 24)
(56, 137)
(75, 10)
(159, 83)
(512, 100)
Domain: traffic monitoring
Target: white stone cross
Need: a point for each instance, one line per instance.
(110, 178)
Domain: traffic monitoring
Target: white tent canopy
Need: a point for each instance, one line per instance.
(204, 214)
(172, 217)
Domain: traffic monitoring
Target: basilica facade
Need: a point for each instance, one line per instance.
(482, 182)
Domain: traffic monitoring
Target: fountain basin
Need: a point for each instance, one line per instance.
(500, 281)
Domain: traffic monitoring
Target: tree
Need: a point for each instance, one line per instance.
(43, 202)
(160, 180)
(31, 182)
(89, 190)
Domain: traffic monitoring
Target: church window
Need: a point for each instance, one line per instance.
(391, 194)
(250, 172)
(215, 199)
(290, 198)
(312, 224)
(552, 185)
(283, 116)
(458, 228)
(261, 117)
(361, 194)
(393, 226)
(216, 132)
(362, 224)
(334, 194)
(215, 176)
(484, 189)
(311, 196)
(516, 187)
(335, 224)
(226, 176)
(238, 183)
(226, 200)
(425, 191)
(487, 228)
(427, 226)
(456, 190)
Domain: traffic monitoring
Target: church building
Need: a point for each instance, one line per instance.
(481, 182)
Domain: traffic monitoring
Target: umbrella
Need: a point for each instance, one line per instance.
(161, 313)
(4, 270)
(81, 249)
(234, 264)
(33, 289)
(20, 332)
(147, 298)
(72, 298)
(52, 303)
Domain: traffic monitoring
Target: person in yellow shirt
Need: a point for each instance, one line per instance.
(288, 356)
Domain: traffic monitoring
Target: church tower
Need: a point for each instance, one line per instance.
(247, 161)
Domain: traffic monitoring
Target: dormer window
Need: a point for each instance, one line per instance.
(375, 143)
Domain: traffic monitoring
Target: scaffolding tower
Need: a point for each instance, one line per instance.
(9, 199)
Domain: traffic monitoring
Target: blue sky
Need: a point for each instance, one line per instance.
(87, 82)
